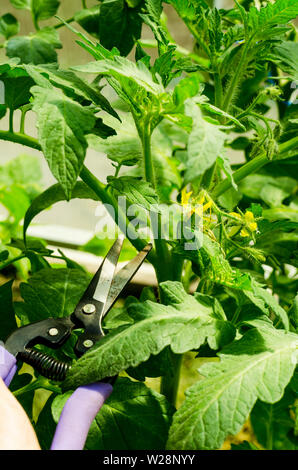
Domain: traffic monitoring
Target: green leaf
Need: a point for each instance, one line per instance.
(137, 191)
(134, 417)
(44, 9)
(125, 71)
(265, 301)
(124, 147)
(4, 255)
(41, 9)
(15, 199)
(187, 10)
(88, 19)
(271, 189)
(279, 12)
(51, 293)
(21, 4)
(284, 55)
(37, 48)
(259, 365)
(116, 317)
(119, 25)
(7, 317)
(9, 26)
(245, 445)
(25, 172)
(217, 268)
(281, 213)
(272, 423)
(205, 143)
(55, 194)
(187, 87)
(65, 148)
(184, 325)
(17, 88)
(293, 312)
(46, 426)
(163, 364)
(72, 85)
(214, 110)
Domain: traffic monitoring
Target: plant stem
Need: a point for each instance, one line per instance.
(10, 261)
(24, 111)
(35, 22)
(163, 260)
(217, 89)
(177, 263)
(236, 315)
(118, 167)
(19, 138)
(170, 383)
(84, 5)
(208, 177)
(195, 34)
(35, 385)
(22, 122)
(60, 25)
(237, 77)
(11, 111)
(254, 165)
(111, 204)
(149, 169)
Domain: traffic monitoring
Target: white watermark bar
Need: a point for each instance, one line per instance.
(161, 221)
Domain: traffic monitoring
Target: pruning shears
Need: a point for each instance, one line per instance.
(101, 294)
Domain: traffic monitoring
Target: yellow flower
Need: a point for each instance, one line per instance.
(197, 206)
(185, 197)
(248, 223)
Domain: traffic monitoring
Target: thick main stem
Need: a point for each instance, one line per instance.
(164, 266)
(170, 383)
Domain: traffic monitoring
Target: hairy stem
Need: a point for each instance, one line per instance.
(237, 77)
(254, 165)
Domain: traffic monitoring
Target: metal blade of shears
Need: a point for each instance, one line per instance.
(124, 276)
(107, 271)
(97, 289)
(89, 311)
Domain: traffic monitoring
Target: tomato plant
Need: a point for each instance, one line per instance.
(227, 284)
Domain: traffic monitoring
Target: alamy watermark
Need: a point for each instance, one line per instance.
(161, 221)
(294, 96)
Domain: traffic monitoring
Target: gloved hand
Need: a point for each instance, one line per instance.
(16, 431)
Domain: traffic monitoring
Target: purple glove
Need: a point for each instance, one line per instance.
(8, 366)
(78, 412)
